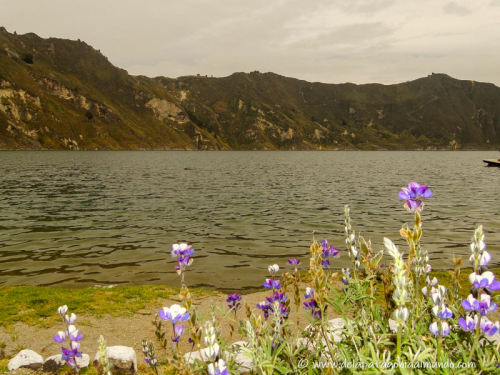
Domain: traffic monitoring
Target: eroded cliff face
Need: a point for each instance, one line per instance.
(61, 94)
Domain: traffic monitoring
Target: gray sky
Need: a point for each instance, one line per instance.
(360, 41)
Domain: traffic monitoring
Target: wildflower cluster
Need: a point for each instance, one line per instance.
(351, 241)
(210, 339)
(177, 315)
(426, 330)
(440, 327)
(184, 254)
(278, 302)
(327, 252)
(72, 335)
(149, 355)
(479, 304)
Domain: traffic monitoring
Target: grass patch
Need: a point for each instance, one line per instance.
(38, 305)
(3, 365)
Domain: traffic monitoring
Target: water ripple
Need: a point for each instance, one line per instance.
(85, 218)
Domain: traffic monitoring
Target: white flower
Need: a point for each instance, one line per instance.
(273, 269)
(62, 310)
(212, 351)
(70, 319)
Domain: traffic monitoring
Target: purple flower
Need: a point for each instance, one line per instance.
(73, 333)
(443, 312)
(468, 324)
(265, 306)
(444, 330)
(283, 310)
(67, 354)
(316, 313)
(60, 337)
(174, 313)
(413, 195)
(486, 280)
(347, 275)
(484, 306)
(309, 292)
(308, 305)
(181, 249)
(470, 303)
(293, 262)
(272, 284)
(219, 368)
(234, 300)
(277, 297)
(178, 332)
(183, 262)
(328, 251)
(325, 263)
(488, 327)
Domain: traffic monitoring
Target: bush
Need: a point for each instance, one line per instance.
(28, 58)
(89, 115)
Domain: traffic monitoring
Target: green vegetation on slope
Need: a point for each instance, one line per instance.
(62, 94)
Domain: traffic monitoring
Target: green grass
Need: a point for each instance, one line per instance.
(38, 305)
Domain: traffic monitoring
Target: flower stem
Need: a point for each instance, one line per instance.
(399, 342)
(438, 354)
(476, 340)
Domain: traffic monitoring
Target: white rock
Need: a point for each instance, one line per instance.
(245, 364)
(26, 359)
(393, 326)
(120, 358)
(193, 356)
(333, 332)
(55, 362)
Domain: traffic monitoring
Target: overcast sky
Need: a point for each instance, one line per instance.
(360, 41)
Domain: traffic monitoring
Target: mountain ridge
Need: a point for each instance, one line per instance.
(62, 94)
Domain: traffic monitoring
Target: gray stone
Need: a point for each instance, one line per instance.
(193, 356)
(55, 363)
(333, 333)
(26, 359)
(245, 364)
(122, 359)
(393, 326)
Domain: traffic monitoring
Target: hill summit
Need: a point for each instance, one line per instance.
(63, 94)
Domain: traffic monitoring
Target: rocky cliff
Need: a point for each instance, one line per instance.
(62, 94)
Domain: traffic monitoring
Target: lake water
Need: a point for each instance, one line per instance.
(86, 218)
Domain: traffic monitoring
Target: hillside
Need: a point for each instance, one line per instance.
(62, 94)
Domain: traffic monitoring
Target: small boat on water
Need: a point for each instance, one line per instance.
(493, 162)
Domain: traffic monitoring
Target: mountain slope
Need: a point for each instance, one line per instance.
(61, 94)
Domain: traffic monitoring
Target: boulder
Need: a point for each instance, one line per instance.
(55, 363)
(393, 326)
(335, 325)
(122, 359)
(26, 359)
(245, 364)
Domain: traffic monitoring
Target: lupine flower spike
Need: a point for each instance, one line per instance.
(72, 335)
